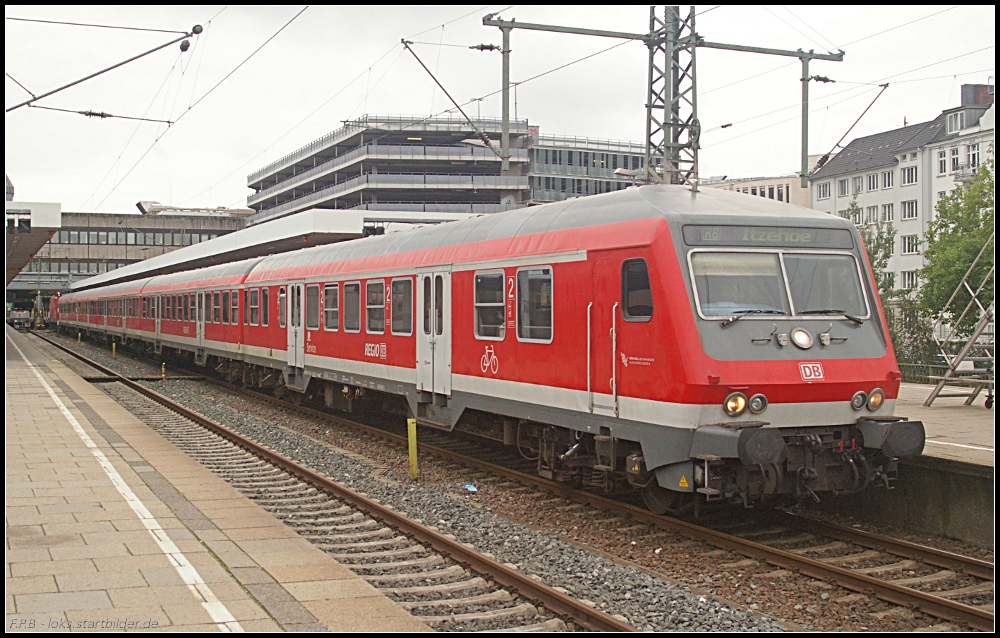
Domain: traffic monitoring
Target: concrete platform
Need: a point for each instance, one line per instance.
(955, 431)
(109, 526)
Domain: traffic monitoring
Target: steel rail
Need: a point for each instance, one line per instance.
(584, 615)
(896, 594)
(932, 556)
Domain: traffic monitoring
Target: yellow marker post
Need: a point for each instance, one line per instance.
(114, 353)
(78, 338)
(163, 372)
(411, 431)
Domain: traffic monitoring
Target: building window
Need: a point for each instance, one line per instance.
(956, 121)
(887, 212)
(871, 215)
(352, 307)
(781, 193)
(402, 307)
(534, 304)
(873, 182)
(823, 190)
(489, 304)
(908, 209)
(312, 307)
(331, 307)
(942, 162)
(908, 279)
(954, 159)
(770, 192)
(753, 190)
(941, 195)
(857, 184)
(972, 155)
(909, 175)
(842, 190)
(910, 244)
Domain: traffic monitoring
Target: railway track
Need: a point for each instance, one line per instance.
(948, 586)
(443, 582)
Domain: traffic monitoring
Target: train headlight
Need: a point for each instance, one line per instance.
(802, 338)
(758, 403)
(735, 404)
(876, 399)
(859, 400)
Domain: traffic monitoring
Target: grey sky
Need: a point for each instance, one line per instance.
(303, 79)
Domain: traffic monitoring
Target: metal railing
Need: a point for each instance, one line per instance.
(398, 122)
(388, 152)
(589, 143)
(391, 180)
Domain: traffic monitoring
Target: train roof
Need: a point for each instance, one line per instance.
(126, 288)
(671, 203)
(229, 274)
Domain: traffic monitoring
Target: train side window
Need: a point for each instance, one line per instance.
(312, 307)
(246, 306)
(216, 307)
(236, 307)
(331, 307)
(225, 306)
(402, 307)
(282, 306)
(637, 295)
(254, 307)
(352, 307)
(534, 304)
(264, 308)
(489, 304)
(375, 307)
(438, 304)
(427, 305)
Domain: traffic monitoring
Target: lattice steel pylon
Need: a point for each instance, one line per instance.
(672, 127)
(979, 347)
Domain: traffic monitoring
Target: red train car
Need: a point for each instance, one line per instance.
(681, 342)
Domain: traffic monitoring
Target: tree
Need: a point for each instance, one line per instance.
(964, 223)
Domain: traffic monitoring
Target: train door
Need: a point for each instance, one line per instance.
(296, 334)
(434, 331)
(200, 320)
(603, 339)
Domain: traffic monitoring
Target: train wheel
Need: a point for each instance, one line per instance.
(660, 500)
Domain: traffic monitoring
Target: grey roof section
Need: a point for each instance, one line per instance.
(126, 286)
(880, 150)
(673, 203)
(233, 269)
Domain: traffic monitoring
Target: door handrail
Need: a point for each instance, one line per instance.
(590, 390)
(614, 354)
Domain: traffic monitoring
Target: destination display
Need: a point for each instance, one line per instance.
(770, 236)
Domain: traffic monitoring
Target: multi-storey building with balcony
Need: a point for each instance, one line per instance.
(412, 168)
(899, 176)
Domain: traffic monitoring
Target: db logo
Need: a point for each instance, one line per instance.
(811, 371)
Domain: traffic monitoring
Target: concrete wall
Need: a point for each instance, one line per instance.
(932, 496)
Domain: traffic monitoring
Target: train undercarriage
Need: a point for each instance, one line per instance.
(740, 463)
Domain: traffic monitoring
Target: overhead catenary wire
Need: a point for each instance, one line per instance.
(797, 30)
(198, 101)
(785, 66)
(812, 28)
(98, 114)
(99, 26)
(19, 84)
(331, 98)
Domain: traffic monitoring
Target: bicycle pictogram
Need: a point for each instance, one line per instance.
(489, 361)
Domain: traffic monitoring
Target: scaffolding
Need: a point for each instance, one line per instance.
(970, 359)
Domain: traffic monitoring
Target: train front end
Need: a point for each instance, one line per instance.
(795, 374)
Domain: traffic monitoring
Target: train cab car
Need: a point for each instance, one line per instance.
(684, 343)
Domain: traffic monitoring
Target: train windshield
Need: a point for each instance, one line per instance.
(776, 283)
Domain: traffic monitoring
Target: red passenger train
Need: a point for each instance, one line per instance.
(681, 342)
